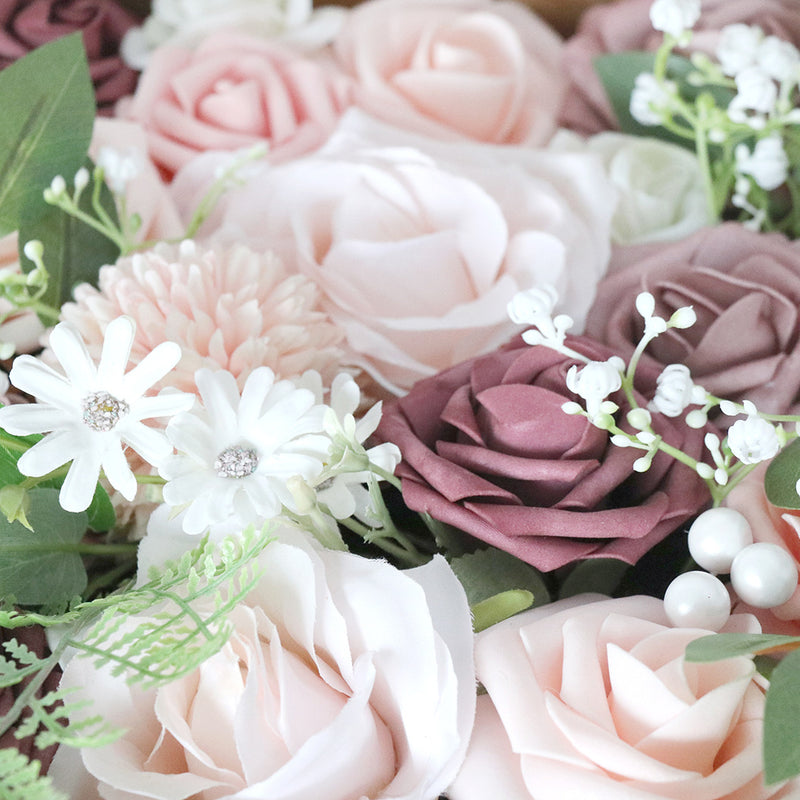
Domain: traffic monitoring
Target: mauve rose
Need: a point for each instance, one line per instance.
(28, 24)
(486, 70)
(621, 26)
(231, 92)
(487, 448)
(418, 245)
(593, 698)
(745, 290)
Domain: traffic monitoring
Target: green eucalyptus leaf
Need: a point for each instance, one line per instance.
(490, 572)
(782, 721)
(783, 472)
(728, 645)
(101, 515)
(41, 566)
(499, 607)
(601, 575)
(46, 125)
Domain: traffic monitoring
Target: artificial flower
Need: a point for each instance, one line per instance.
(231, 92)
(488, 449)
(626, 25)
(344, 678)
(229, 308)
(418, 245)
(91, 411)
(745, 290)
(660, 188)
(487, 71)
(593, 697)
(28, 24)
(236, 454)
(21, 329)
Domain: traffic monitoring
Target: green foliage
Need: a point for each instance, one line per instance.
(594, 575)
(73, 251)
(780, 482)
(19, 664)
(20, 779)
(781, 715)
(729, 645)
(499, 607)
(41, 565)
(48, 133)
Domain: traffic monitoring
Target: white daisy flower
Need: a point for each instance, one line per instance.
(92, 411)
(236, 454)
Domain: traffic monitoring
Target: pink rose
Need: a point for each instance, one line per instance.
(232, 92)
(344, 678)
(483, 70)
(21, 327)
(625, 25)
(737, 281)
(592, 698)
(419, 245)
(28, 24)
(487, 448)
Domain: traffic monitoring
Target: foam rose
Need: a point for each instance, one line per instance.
(232, 92)
(488, 71)
(625, 25)
(344, 678)
(592, 697)
(417, 245)
(488, 449)
(737, 281)
(28, 24)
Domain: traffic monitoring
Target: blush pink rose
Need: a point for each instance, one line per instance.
(625, 25)
(418, 245)
(231, 92)
(745, 290)
(344, 679)
(488, 449)
(28, 24)
(592, 698)
(487, 71)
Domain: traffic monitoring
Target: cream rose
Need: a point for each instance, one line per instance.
(592, 698)
(480, 69)
(344, 679)
(418, 245)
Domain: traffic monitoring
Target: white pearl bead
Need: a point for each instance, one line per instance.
(697, 600)
(764, 575)
(717, 536)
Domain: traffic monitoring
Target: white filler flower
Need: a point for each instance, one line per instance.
(236, 455)
(91, 411)
(674, 16)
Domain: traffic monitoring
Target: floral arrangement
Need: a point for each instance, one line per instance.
(399, 401)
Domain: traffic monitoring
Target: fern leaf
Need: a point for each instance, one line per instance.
(20, 779)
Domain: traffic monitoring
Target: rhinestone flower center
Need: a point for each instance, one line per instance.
(102, 411)
(236, 462)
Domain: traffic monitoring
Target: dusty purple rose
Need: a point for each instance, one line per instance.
(487, 448)
(745, 290)
(621, 26)
(28, 24)
(34, 639)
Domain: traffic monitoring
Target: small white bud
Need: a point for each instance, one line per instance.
(33, 250)
(696, 418)
(621, 441)
(58, 186)
(642, 464)
(645, 304)
(704, 471)
(684, 317)
(729, 409)
(571, 407)
(639, 418)
(720, 476)
(81, 179)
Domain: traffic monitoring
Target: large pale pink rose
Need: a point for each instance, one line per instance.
(625, 25)
(455, 68)
(745, 290)
(28, 24)
(488, 449)
(344, 679)
(592, 698)
(231, 92)
(419, 245)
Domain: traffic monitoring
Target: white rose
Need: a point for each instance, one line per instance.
(344, 678)
(418, 245)
(660, 189)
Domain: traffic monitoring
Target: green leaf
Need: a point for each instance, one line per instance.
(730, 645)
(782, 721)
(101, 514)
(600, 575)
(40, 566)
(780, 482)
(499, 607)
(73, 251)
(46, 126)
(490, 572)
(20, 779)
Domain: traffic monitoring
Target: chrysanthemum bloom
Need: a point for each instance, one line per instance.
(231, 309)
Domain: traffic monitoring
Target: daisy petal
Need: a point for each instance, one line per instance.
(258, 384)
(166, 404)
(151, 369)
(117, 341)
(152, 445)
(220, 397)
(80, 484)
(44, 383)
(53, 451)
(118, 472)
(27, 418)
(68, 347)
